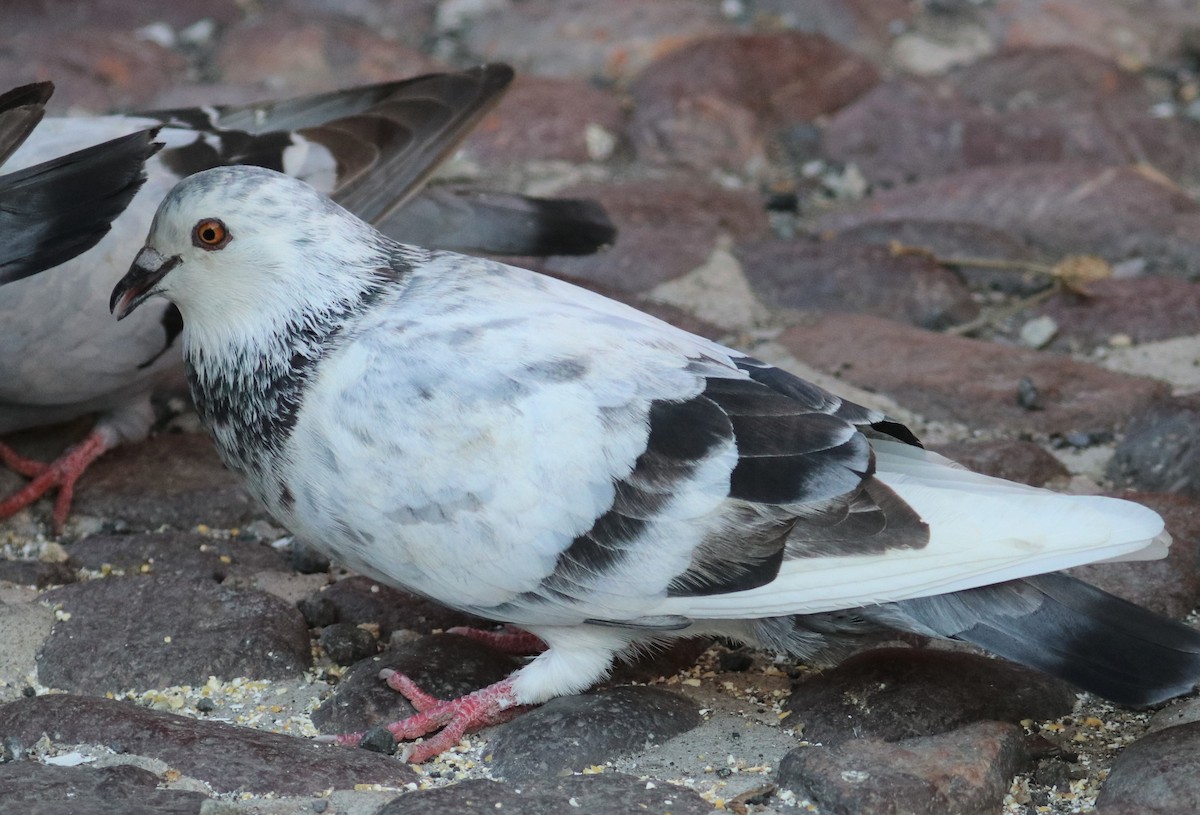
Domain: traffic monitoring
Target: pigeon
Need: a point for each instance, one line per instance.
(55, 210)
(521, 449)
(372, 148)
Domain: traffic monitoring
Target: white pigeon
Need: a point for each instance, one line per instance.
(52, 211)
(528, 451)
(371, 147)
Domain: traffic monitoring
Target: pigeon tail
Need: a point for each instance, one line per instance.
(1067, 628)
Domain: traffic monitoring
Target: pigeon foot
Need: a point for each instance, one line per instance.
(508, 640)
(494, 704)
(62, 473)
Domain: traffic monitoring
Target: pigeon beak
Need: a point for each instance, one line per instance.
(149, 267)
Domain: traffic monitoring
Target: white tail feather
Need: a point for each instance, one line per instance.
(983, 530)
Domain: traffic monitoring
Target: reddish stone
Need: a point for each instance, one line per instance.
(1115, 212)
(741, 86)
(970, 381)
(583, 39)
(1011, 459)
(1143, 308)
(545, 118)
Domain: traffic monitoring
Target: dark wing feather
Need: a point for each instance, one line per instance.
(20, 111)
(53, 211)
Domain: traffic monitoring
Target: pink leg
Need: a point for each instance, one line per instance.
(492, 705)
(510, 640)
(19, 464)
(63, 472)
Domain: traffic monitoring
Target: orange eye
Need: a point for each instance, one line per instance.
(210, 234)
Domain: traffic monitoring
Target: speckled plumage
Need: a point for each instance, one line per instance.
(519, 448)
(372, 147)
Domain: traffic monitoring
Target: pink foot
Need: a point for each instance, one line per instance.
(491, 705)
(63, 472)
(509, 640)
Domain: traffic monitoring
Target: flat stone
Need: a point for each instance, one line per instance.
(658, 662)
(1171, 585)
(1156, 775)
(970, 381)
(36, 573)
(286, 53)
(570, 733)
(445, 666)
(664, 230)
(713, 102)
(582, 39)
(171, 478)
(1161, 448)
(41, 789)
(543, 118)
(840, 276)
(964, 772)
(149, 632)
(181, 554)
(228, 758)
(1065, 207)
(1145, 309)
(900, 693)
(359, 599)
(23, 629)
(93, 70)
(955, 243)
(606, 793)
(864, 26)
(1063, 77)
(1010, 459)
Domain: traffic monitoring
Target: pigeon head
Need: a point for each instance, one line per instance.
(233, 247)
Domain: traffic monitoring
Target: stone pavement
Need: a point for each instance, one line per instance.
(870, 193)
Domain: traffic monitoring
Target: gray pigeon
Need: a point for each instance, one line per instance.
(373, 148)
(52, 211)
(521, 449)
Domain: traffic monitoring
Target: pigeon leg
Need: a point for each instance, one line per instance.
(63, 472)
(492, 705)
(20, 465)
(509, 640)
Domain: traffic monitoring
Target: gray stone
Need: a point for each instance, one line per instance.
(40, 789)
(602, 794)
(1156, 775)
(900, 693)
(964, 772)
(119, 633)
(570, 733)
(228, 758)
(1161, 449)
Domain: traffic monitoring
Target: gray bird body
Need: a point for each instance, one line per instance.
(519, 448)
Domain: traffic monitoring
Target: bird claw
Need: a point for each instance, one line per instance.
(451, 719)
(509, 640)
(62, 473)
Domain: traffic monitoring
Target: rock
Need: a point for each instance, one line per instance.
(228, 758)
(40, 789)
(289, 54)
(582, 39)
(899, 693)
(542, 118)
(954, 243)
(864, 26)
(346, 643)
(1161, 448)
(179, 554)
(1061, 207)
(1011, 459)
(37, 573)
(1170, 585)
(665, 660)
(964, 772)
(119, 633)
(23, 629)
(1156, 775)
(1143, 308)
(445, 666)
(1063, 77)
(712, 103)
(570, 733)
(970, 381)
(608, 793)
(839, 276)
(664, 231)
(171, 478)
(359, 599)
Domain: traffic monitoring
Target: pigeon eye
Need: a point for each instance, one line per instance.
(210, 234)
